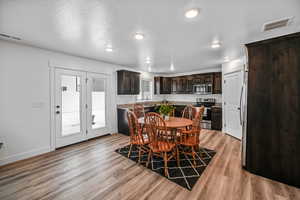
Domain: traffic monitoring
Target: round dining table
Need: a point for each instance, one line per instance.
(173, 122)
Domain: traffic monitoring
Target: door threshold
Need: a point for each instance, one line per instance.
(95, 138)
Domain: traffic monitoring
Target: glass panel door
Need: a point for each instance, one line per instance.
(70, 107)
(80, 106)
(70, 100)
(97, 98)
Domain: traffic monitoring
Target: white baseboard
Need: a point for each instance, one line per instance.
(22, 156)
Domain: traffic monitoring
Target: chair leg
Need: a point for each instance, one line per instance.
(140, 151)
(177, 156)
(149, 157)
(166, 163)
(193, 154)
(129, 151)
(197, 148)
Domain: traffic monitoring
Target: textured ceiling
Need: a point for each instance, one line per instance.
(86, 27)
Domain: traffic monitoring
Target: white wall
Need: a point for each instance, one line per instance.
(227, 68)
(25, 97)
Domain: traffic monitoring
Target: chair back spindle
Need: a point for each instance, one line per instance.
(139, 110)
(134, 128)
(156, 127)
(189, 112)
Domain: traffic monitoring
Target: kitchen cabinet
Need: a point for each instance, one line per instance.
(165, 85)
(189, 85)
(272, 138)
(162, 85)
(122, 121)
(217, 83)
(216, 118)
(123, 126)
(174, 85)
(198, 79)
(184, 84)
(128, 82)
(208, 78)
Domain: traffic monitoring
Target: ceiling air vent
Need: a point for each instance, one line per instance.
(277, 24)
(9, 37)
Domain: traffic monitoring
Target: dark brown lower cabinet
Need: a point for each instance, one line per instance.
(216, 118)
(123, 121)
(273, 111)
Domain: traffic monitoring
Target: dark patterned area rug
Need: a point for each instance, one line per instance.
(185, 175)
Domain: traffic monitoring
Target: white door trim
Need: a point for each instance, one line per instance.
(238, 73)
(52, 100)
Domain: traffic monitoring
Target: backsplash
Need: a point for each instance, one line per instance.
(127, 99)
(192, 97)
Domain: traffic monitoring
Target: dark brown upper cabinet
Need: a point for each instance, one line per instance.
(174, 82)
(198, 79)
(184, 84)
(189, 84)
(217, 83)
(128, 82)
(208, 78)
(162, 85)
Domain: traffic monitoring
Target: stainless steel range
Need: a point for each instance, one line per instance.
(207, 103)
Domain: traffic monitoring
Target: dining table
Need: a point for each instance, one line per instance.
(172, 123)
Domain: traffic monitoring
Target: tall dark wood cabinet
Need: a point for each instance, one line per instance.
(273, 112)
(128, 82)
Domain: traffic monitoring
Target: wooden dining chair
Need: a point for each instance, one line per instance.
(139, 110)
(137, 137)
(190, 138)
(189, 112)
(162, 142)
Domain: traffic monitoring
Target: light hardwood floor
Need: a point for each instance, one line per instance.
(92, 170)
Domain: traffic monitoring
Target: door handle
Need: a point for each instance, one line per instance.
(57, 112)
(242, 90)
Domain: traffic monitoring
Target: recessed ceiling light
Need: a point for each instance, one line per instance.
(138, 36)
(108, 49)
(149, 68)
(148, 60)
(215, 45)
(192, 13)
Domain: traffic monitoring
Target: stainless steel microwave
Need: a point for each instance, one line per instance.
(202, 88)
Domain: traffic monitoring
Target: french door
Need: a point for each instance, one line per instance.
(80, 106)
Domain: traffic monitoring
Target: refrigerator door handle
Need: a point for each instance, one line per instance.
(240, 108)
